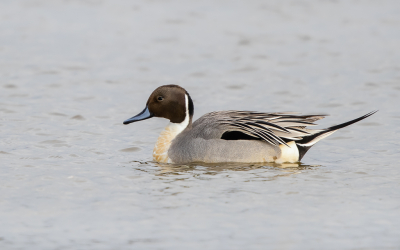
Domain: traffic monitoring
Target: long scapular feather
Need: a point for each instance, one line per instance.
(310, 140)
(280, 128)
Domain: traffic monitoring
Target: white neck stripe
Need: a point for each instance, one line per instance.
(160, 152)
(179, 127)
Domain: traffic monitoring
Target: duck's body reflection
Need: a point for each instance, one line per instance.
(283, 169)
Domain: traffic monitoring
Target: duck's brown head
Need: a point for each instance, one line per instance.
(169, 101)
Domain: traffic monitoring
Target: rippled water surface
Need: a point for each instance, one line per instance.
(73, 177)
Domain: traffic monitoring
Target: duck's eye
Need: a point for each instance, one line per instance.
(160, 98)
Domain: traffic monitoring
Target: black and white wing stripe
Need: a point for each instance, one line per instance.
(274, 128)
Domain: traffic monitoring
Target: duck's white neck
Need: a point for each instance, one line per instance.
(160, 152)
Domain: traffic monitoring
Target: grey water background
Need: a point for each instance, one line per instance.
(73, 177)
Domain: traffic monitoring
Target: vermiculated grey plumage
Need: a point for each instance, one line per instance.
(202, 141)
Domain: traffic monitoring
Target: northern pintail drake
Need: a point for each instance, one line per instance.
(229, 136)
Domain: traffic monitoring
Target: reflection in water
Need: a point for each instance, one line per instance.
(283, 169)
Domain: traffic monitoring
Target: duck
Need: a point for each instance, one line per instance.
(229, 136)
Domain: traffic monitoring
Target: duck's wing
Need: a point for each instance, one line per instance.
(274, 128)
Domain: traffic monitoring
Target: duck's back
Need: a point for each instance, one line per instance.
(202, 143)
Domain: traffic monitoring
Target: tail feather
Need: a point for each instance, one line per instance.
(308, 141)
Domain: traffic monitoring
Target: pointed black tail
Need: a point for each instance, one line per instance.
(308, 141)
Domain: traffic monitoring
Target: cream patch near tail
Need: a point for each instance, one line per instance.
(290, 155)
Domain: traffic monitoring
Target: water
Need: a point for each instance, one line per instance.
(73, 177)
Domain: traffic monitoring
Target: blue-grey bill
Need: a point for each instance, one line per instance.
(145, 114)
